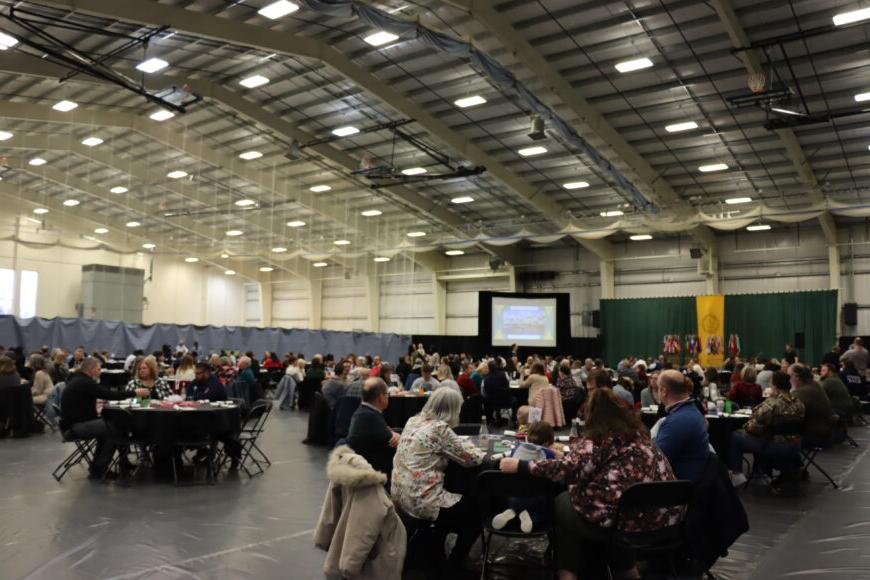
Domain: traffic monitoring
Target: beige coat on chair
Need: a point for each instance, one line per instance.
(359, 527)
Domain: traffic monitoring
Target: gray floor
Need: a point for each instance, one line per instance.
(261, 527)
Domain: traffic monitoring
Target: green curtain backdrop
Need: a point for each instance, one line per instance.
(765, 322)
(636, 326)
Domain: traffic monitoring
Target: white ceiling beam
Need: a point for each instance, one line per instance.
(752, 64)
(275, 41)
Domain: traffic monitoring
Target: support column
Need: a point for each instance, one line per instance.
(711, 278)
(315, 301)
(439, 308)
(373, 294)
(266, 303)
(834, 282)
(512, 279)
(607, 278)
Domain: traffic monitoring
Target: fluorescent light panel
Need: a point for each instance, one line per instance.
(92, 142)
(612, 213)
(250, 155)
(677, 127)
(640, 237)
(177, 174)
(850, 17)
(345, 131)
(633, 65)
(382, 259)
(531, 151)
(454, 252)
(279, 250)
(191, 260)
(161, 115)
(712, 167)
(7, 41)
(5, 135)
(266, 268)
(758, 228)
(101, 231)
(737, 200)
(64, 106)
(861, 97)
(152, 65)
(472, 101)
(462, 199)
(254, 81)
(380, 38)
(246, 202)
(230, 272)
(575, 185)
(119, 189)
(278, 9)
(415, 234)
(234, 233)
(414, 171)
(320, 188)
(149, 246)
(296, 224)
(341, 242)
(37, 161)
(40, 211)
(133, 224)
(372, 212)
(320, 264)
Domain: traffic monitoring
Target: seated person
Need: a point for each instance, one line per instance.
(79, 407)
(42, 384)
(206, 385)
(758, 436)
(148, 383)
(336, 386)
(623, 389)
(682, 434)
(466, 382)
(746, 392)
(613, 453)
(838, 394)
(426, 445)
(445, 378)
(523, 419)
(369, 434)
(540, 445)
(817, 406)
(649, 396)
(425, 381)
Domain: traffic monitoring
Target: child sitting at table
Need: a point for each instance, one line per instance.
(523, 419)
(540, 445)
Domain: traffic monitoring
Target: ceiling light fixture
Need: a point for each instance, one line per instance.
(266, 269)
(345, 131)
(71, 202)
(712, 167)
(677, 127)
(372, 212)
(319, 188)
(230, 272)
(40, 211)
(101, 231)
(633, 65)
(191, 260)
(5, 135)
(149, 246)
(575, 185)
(850, 17)
(92, 142)
(37, 161)
(380, 38)
(278, 9)
(758, 228)
(296, 224)
(119, 189)
(415, 234)
(861, 97)
(462, 199)
(640, 237)
(737, 200)
(254, 81)
(246, 202)
(161, 115)
(152, 65)
(414, 171)
(382, 259)
(472, 101)
(320, 264)
(234, 233)
(225, 256)
(454, 252)
(531, 151)
(177, 174)
(133, 224)
(65, 106)
(279, 250)
(612, 213)
(250, 155)
(341, 242)
(7, 41)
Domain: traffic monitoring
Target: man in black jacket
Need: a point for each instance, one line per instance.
(79, 407)
(369, 434)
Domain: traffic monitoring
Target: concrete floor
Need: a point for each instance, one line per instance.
(261, 528)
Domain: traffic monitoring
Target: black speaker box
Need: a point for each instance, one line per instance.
(850, 314)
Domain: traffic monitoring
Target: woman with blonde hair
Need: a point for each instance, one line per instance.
(445, 378)
(148, 382)
(42, 385)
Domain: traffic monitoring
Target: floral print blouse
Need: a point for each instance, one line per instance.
(567, 387)
(597, 476)
(425, 447)
(161, 388)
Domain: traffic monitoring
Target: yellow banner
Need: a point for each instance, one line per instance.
(711, 329)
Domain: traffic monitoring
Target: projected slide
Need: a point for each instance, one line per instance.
(523, 321)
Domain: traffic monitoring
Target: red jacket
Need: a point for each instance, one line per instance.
(467, 385)
(745, 394)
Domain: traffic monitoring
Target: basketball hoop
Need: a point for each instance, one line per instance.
(756, 82)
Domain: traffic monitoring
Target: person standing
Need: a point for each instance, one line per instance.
(789, 355)
(857, 355)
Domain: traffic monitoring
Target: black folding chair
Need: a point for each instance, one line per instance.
(345, 407)
(40, 418)
(253, 427)
(810, 448)
(120, 422)
(319, 420)
(83, 452)
(668, 541)
(425, 546)
(196, 434)
(472, 409)
(495, 488)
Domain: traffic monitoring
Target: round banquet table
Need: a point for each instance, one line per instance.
(402, 408)
(163, 426)
(719, 429)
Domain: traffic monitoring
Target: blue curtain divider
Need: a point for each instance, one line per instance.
(122, 338)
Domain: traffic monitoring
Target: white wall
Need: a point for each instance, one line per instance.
(407, 303)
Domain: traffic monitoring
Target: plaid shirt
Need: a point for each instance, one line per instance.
(161, 388)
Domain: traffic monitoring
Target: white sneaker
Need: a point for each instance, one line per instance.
(738, 479)
(502, 519)
(526, 524)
